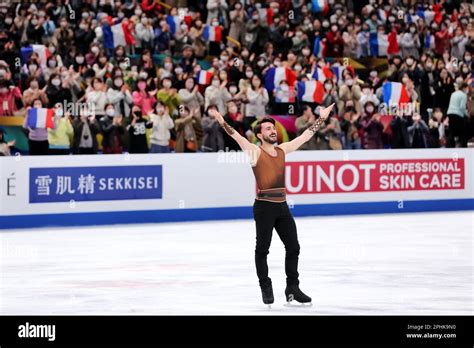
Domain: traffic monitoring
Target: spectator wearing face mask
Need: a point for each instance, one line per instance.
(86, 128)
(97, 96)
(335, 43)
(37, 137)
(399, 128)
(410, 43)
(217, 9)
(437, 129)
(258, 99)
(237, 121)
(168, 95)
(213, 137)
(284, 98)
(112, 131)
(368, 96)
(63, 37)
(363, 41)
(444, 87)
(238, 17)
(10, 96)
(188, 131)
(143, 98)
(34, 92)
(144, 34)
(191, 97)
(427, 89)
(373, 129)
(458, 43)
(137, 132)
(162, 125)
(35, 30)
(351, 128)
(349, 90)
(120, 97)
(458, 114)
(84, 36)
(302, 123)
(56, 91)
(330, 93)
(217, 94)
(59, 137)
(418, 133)
(52, 66)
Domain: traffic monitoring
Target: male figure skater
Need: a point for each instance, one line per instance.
(270, 208)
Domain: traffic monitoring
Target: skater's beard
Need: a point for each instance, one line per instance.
(271, 139)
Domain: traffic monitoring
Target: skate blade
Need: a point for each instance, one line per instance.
(298, 305)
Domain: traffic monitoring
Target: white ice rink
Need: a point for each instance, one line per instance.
(418, 264)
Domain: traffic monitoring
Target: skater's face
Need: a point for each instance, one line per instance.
(269, 133)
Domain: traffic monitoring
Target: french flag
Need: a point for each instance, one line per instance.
(204, 77)
(41, 50)
(118, 33)
(212, 33)
(338, 70)
(395, 93)
(320, 6)
(378, 44)
(426, 15)
(311, 91)
(274, 76)
(319, 47)
(382, 15)
(266, 15)
(322, 74)
(173, 22)
(285, 95)
(40, 118)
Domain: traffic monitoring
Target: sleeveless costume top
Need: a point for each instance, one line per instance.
(270, 176)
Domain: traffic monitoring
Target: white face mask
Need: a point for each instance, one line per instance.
(249, 74)
(306, 52)
(298, 68)
(178, 70)
(110, 112)
(79, 60)
(369, 109)
(52, 63)
(349, 82)
(143, 75)
(56, 82)
(95, 49)
(328, 86)
(118, 83)
(233, 109)
(167, 84)
(60, 112)
(168, 66)
(233, 89)
(260, 63)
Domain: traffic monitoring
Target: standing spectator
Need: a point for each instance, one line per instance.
(86, 129)
(373, 132)
(302, 123)
(59, 137)
(112, 131)
(9, 97)
(213, 140)
(444, 87)
(97, 96)
(191, 97)
(57, 92)
(418, 133)
(436, 124)
(188, 131)
(399, 127)
(258, 99)
(217, 94)
(169, 95)
(162, 126)
(143, 98)
(34, 92)
(458, 114)
(37, 137)
(137, 132)
(119, 95)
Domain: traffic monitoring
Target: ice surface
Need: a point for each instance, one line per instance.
(415, 264)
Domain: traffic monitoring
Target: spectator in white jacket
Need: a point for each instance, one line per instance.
(144, 33)
(96, 97)
(217, 94)
(160, 133)
(119, 95)
(258, 99)
(191, 97)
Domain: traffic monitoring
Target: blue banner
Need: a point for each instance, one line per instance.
(95, 183)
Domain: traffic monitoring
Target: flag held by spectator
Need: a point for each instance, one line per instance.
(320, 6)
(285, 94)
(204, 77)
(395, 93)
(274, 76)
(41, 50)
(322, 74)
(429, 42)
(378, 44)
(338, 70)
(319, 47)
(311, 91)
(382, 15)
(173, 22)
(212, 33)
(266, 15)
(40, 118)
(118, 35)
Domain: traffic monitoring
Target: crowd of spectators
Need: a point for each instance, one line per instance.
(147, 72)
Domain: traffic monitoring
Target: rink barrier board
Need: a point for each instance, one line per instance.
(227, 213)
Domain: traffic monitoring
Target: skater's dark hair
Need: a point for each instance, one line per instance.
(258, 127)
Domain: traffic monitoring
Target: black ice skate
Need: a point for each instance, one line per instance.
(294, 294)
(267, 295)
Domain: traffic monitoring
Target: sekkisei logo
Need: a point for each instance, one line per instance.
(95, 183)
(37, 331)
(374, 175)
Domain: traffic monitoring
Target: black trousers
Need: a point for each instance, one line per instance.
(457, 128)
(269, 215)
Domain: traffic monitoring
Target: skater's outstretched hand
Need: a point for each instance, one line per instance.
(324, 113)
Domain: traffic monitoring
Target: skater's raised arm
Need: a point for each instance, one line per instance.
(308, 133)
(244, 144)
